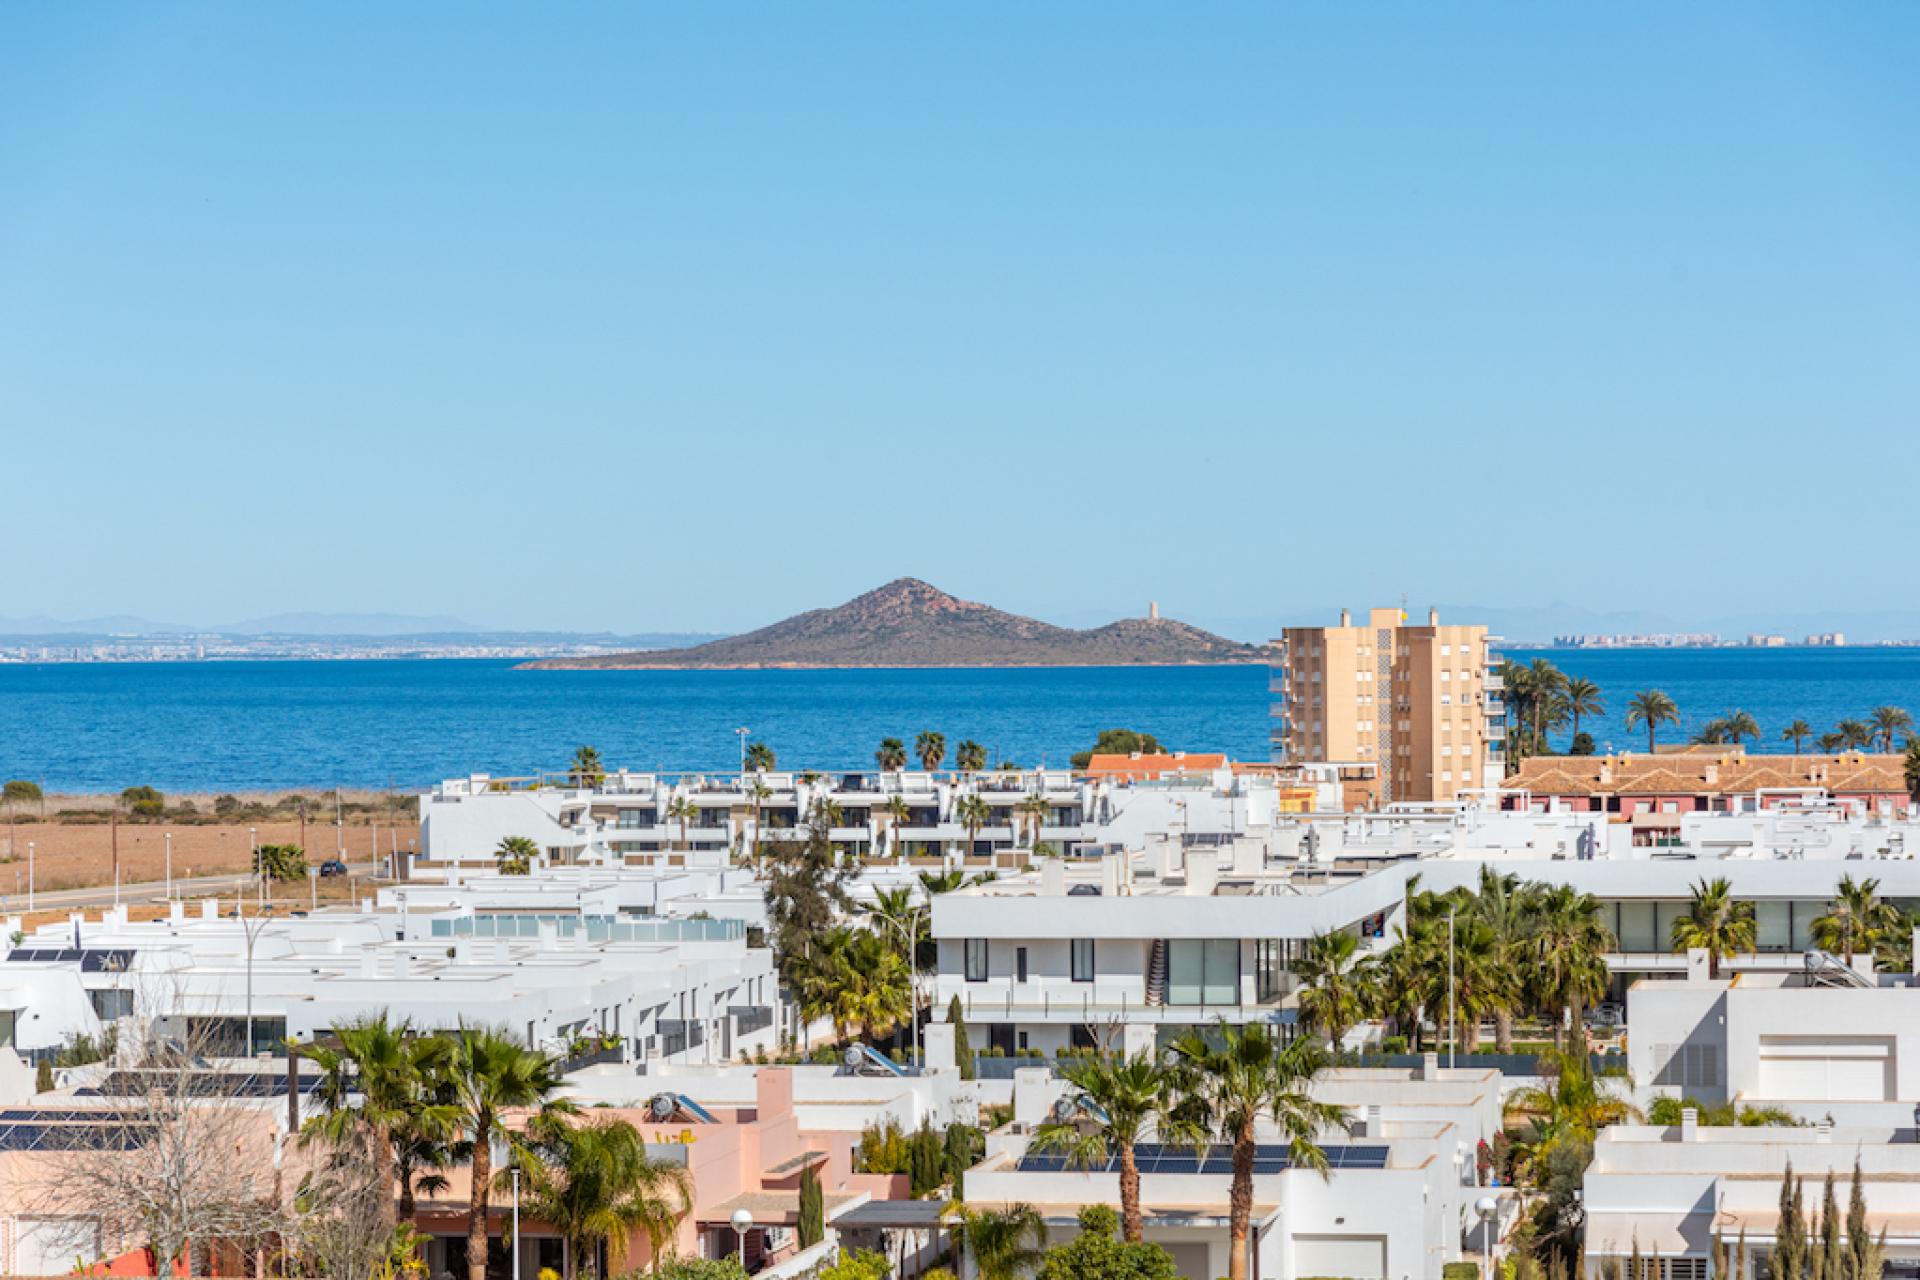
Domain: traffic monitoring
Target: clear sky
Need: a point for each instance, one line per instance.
(693, 315)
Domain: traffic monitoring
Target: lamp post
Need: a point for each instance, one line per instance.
(909, 934)
(253, 837)
(169, 866)
(516, 1222)
(29, 877)
(742, 1223)
(1486, 1207)
(743, 732)
(252, 936)
(1453, 1024)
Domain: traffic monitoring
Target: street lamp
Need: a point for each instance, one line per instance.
(1486, 1207)
(909, 934)
(1453, 1025)
(252, 935)
(742, 1223)
(169, 866)
(29, 877)
(516, 1222)
(743, 732)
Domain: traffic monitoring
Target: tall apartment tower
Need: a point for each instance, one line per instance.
(1417, 710)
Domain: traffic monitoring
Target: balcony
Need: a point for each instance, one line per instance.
(1091, 1002)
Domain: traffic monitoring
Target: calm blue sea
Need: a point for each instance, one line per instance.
(204, 726)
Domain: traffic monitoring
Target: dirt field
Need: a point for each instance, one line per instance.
(80, 855)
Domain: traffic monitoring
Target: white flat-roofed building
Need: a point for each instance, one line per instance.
(1398, 1201)
(1666, 1192)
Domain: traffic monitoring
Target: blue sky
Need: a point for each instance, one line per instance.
(692, 316)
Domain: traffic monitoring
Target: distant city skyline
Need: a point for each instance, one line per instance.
(688, 319)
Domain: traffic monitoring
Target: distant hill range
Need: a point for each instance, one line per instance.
(911, 624)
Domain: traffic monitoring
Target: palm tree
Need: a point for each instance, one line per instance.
(970, 757)
(760, 758)
(1004, 1245)
(1482, 985)
(1715, 922)
(1545, 683)
(1796, 733)
(1573, 1105)
(931, 747)
(1569, 955)
(1038, 810)
(683, 810)
(1128, 1098)
(1888, 721)
(1739, 725)
(1831, 743)
(390, 1073)
(1652, 708)
(1910, 769)
(892, 755)
(587, 770)
(855, 978)
(1583, 699)
(1712, 733)
(1855, 735)
(973, 813)
(902, 910)
(1506, 909)
(515, 856)
(758, 793)
(490, 1074)
(1857, 919)
(1333, 976)
(1227, 1082)
(899, 814)
(596, 1184)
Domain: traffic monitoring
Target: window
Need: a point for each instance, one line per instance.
(976, 959)
(1083, 959)
(1203, 972)
(1020, 963)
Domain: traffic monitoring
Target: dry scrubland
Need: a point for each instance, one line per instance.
(74, 842)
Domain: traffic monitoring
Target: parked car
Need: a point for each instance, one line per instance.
(333, 867)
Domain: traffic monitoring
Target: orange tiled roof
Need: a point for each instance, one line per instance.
(1142, 766)
(1730, 770)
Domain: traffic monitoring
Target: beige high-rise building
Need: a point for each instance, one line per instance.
(1414, 710)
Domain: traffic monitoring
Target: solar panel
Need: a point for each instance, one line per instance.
(111, 960)
(73, 1137)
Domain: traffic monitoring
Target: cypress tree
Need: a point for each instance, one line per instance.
(1790, 1241)
(813, 1209)
(1864, 1254)
(962, 1051)
(1719, 1254)
(1740, 1256)
(1832, 1249)
(43, 1077)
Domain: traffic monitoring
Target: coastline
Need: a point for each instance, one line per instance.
(573, 664)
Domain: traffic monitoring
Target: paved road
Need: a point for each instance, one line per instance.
(156, 891)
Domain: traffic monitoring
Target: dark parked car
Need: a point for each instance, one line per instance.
(333, 867)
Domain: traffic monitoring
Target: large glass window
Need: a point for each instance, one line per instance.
(1203, 972)
(1083, 959)
(1637, 927)
(1773, 925)
(976, 959)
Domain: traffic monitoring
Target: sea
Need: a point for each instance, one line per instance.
(246, 725)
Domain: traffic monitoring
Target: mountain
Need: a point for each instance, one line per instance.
(119, 624)
(911, 624)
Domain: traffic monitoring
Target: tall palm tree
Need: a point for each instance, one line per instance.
(760, 758)
(596, 1184)
(1230, 1080)
(1856, 920)
(892, 755)
(758, 793)
(1569, 951)
(899, 814)
(683, 810)
(1583, 699)
(1888, 722)
(1738, 726)
(900, 908)
(1796, 733)
(1506, 909)
(1831, 743)
(1400, 978)
(1652, 708)
(587, 770)
(1716, 922)
(931, 747)
(515, 856)
(1129, 1098)
(1855, 735)
(973, 813)
(1037, 810)
(1333, 974)
(856, 978)
(381, 1064)
(490, 1074)
(1482, 985)
(1910, 769)
(1546, 682)
(970, 757)
(1004, 1244)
